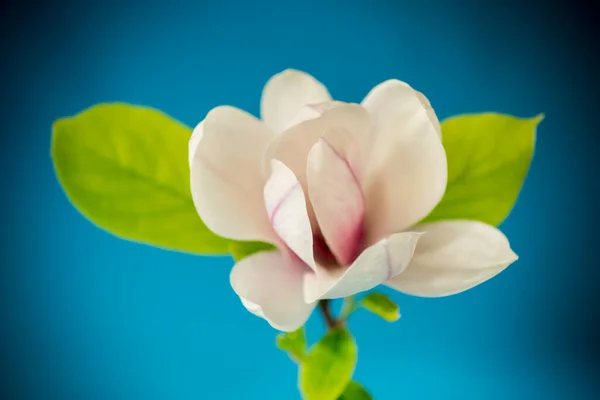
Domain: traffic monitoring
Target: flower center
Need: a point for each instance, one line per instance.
(325, 257)
(322, 252)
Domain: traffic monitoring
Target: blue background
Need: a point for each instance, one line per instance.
(84, 315)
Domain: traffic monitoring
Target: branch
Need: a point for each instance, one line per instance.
(330, 320)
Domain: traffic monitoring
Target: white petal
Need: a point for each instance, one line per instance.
(270, 286)
(407, 173)
(253, 307)
(226, 174)
(286, 93)
(293, 145)
(195, 139)
(286, 209)
(336, 196)
(312, 111)
(453, 256)
(430, 113)
(374, 266)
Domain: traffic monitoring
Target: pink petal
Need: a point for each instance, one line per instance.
(226, 174)
(336, 196)
(377, 264)
(286, 209)
(293, 145)
(270, 286)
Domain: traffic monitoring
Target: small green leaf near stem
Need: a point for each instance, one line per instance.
(381, 305)
(293, 343)
(327, 369)
(355, 391)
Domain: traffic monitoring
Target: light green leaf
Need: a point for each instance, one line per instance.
(328, 367)
(354, 391)
(381, 305)
(488, 159)
(294, 343)
(125, 167)
(240, 249)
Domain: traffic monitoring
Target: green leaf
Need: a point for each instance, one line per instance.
(328, 367)
(294, 343)
(125, 168)
(240, 249)
(488, 159)
(381, 305)
(354, 391)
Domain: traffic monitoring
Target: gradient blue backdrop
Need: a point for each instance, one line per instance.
(85, 315)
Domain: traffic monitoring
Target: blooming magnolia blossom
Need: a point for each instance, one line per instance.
(338, 189)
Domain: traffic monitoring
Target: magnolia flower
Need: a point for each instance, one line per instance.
(338, 189)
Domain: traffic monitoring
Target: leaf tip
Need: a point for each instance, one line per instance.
(382, 306)
(393, 317)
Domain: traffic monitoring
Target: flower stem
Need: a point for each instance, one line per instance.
(348, 307)
(330, 320)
